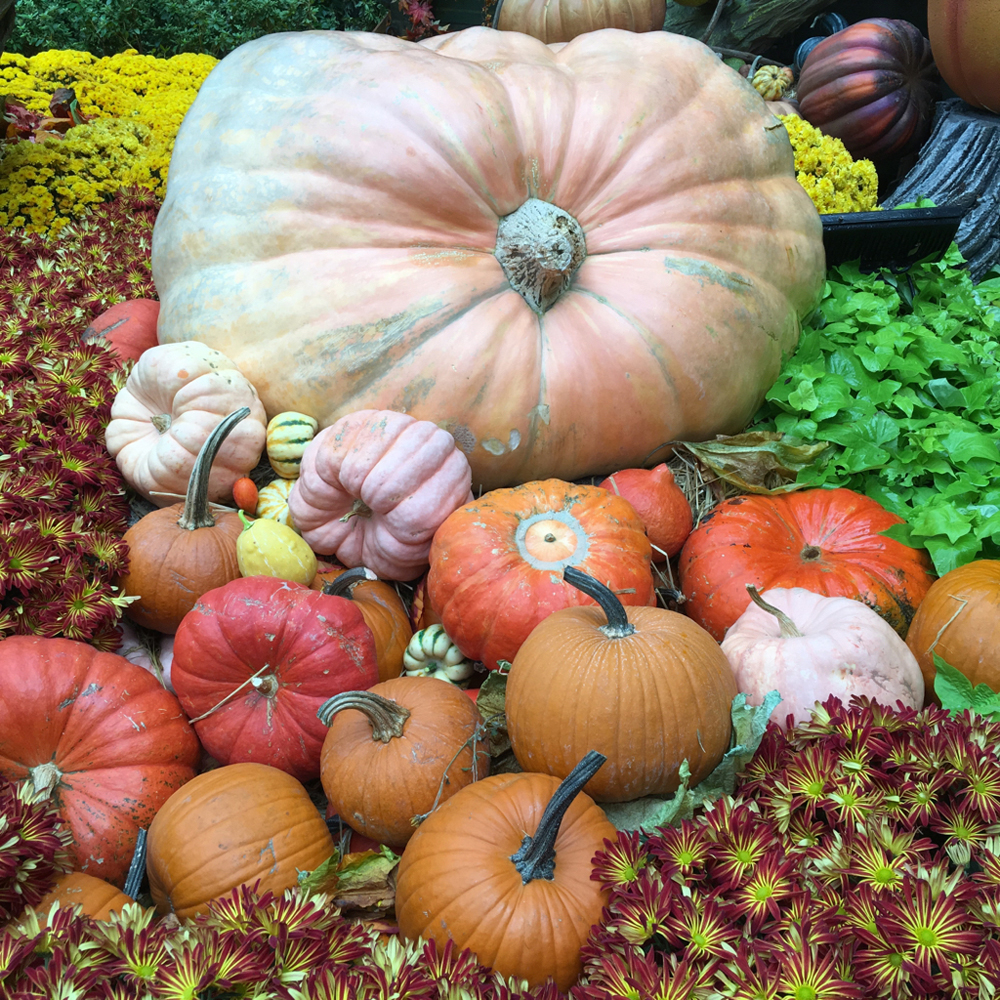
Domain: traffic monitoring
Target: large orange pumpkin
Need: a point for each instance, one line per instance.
(504, 868)
(228, 827)
(563, 20)
(99, 735)
(650, 689)
(95, 897)
(826, 541)
(564, 256)
(496, 563)
(959, 619)
(965, 40)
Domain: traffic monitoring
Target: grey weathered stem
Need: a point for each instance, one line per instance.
(540, 247)
(196, 513)
(387, 718)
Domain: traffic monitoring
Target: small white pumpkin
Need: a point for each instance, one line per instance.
(272, 502)
(809, 647)
(431, 653)
(287, 436)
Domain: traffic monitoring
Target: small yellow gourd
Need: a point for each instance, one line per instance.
(287, 436)
(267, 548)
(272, 502)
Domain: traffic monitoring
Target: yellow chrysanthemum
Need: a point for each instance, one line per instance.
(137, 103)
(834, 181)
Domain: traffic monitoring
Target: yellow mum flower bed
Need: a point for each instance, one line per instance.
(137, 103)
(834, 181)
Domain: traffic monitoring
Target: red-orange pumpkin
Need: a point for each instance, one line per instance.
(826, 541)
(959, 619)
(128, 328)
(255, 660)
(382, 608)
(232, 826)
(397, 751)
(496, 563)
(97, 898)
(504, 868)
(99, 735)
(872, 85)
(965, 39)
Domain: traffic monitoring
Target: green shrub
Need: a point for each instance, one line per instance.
(167, 27)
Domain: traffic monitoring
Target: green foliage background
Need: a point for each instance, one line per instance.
(166, 27)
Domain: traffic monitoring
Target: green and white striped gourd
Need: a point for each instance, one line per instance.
(431, 653)
(287, 436)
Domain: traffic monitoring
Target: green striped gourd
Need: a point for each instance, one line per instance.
(287, 436)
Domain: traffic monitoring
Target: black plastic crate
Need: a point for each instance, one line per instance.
(895, 238)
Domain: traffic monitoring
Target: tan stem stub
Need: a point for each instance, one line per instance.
(789, 630)
(161, 422)
(266, 685)
(358, 509)
(540, 248)
(45, 778)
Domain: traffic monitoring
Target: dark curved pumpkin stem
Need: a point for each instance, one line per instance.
(341, 586)
(387, 718)
(536, 857)
(136, 870)
(196, 512)
(789, 630)
(618, 624)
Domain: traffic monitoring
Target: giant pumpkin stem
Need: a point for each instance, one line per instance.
(341, 585)
(196, 513)
(789, 630)
(618, 624)
(540, 247)
(536, 857)
(387, 718)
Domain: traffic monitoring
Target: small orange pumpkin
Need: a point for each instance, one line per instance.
(504, 868)
(228, 827)
(959, 619)
(380, 606)
(178, 553)
(409, 745)
(646, 687)
(97, 898)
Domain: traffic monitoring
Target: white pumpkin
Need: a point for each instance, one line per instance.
(174, 397)
(808, 647)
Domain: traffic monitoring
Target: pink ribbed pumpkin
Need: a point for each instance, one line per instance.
(375, 486)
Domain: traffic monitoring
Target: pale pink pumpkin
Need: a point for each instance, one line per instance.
(375, 486)
(816, 647)
(173, 399)
(565, 255)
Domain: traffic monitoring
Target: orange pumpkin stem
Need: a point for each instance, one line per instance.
(618, 624)
(196, 513)
(342, 585)
(387, 718)
(789, 630)
(536, 857)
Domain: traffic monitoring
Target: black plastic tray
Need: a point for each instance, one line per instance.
(895, 238)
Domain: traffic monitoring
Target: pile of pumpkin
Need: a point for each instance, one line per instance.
(286, 667)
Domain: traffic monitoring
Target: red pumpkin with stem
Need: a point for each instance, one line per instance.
(255, 660)
(660, 502)
(98, 735)
(496, 563)
(827, 541)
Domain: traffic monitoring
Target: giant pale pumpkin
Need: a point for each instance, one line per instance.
(563, 255)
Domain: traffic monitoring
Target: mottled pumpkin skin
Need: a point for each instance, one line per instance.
(965, 39)
(119, 740)
(563, 20)
(826, 541)
(873, 86)
(335, 232)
